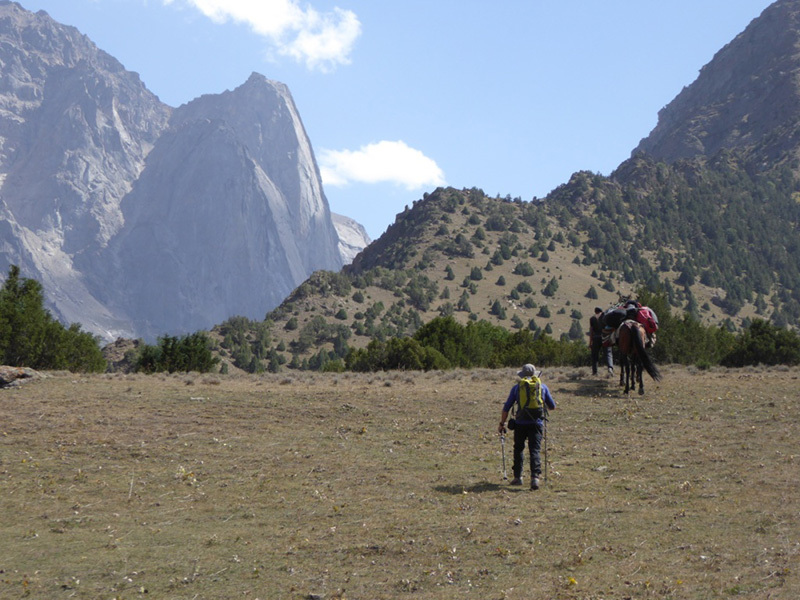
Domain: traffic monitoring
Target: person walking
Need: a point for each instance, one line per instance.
(596, 342)
(532, 398)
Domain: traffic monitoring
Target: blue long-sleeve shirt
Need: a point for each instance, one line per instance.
(547, 398)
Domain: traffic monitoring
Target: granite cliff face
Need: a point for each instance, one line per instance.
(227, 217)
(140, 219)
(747, 98)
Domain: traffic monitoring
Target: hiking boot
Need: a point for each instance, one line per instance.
(516, 481)
(535, 483)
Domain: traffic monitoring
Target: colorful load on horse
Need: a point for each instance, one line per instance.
(624, 311)
(648, 319)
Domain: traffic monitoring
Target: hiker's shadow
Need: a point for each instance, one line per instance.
(477, 488)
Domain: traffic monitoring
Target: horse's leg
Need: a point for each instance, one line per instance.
(623, 362)
(628, 374)
(639, 369)
(631, 374)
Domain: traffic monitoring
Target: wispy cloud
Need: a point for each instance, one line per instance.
(320, 40)
(381, 162)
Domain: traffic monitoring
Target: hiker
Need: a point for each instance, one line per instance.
(596, 342)
(530, 396)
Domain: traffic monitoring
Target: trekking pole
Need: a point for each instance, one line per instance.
(544, 433)
(503, 446)
(545, 441)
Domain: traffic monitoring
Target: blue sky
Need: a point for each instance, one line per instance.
(399, 97)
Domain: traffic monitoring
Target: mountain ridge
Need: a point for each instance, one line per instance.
(747, 97)
(79, 138)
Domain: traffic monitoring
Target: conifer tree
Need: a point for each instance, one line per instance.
(31, 337)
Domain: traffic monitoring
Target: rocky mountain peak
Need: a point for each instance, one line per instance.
(228, 214)
(746, 97)
(262, 115)
(140, 219)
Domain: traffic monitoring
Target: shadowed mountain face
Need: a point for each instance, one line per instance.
(746, 98)
(140, 219)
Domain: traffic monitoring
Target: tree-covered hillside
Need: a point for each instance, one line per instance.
(716, 238)
(712, 224)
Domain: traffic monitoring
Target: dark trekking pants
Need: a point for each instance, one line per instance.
(532, 434)
(597, 347)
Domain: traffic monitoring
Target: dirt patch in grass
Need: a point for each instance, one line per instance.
(390, 486)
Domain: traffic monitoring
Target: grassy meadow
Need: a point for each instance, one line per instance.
(390, 485)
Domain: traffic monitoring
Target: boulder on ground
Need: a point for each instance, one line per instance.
(11, 375)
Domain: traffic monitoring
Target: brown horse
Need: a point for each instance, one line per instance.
(631, 340)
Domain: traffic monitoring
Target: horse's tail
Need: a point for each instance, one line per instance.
(647, 362)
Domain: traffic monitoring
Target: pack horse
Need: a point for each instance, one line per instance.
(632, 341)
(632, 328)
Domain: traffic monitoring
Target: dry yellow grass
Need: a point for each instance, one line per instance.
(390, 486)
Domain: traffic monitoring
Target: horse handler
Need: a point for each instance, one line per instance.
(596, 343)
(531, 398)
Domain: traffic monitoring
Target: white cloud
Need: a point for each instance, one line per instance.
(381, 162)
(320, 40)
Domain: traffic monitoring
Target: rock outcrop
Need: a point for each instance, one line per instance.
(12, 376)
